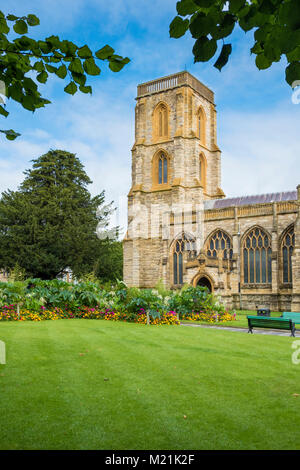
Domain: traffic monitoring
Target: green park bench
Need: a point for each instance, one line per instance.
(294, 316)
(276, 323)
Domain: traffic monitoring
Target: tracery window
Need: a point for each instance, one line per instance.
(181, 245)
(219, 243)
(162, 169)
(287, 247)
(257, 257)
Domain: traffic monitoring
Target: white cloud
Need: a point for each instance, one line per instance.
(260, 151)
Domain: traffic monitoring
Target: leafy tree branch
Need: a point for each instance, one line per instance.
(276, 26)
(26, 62)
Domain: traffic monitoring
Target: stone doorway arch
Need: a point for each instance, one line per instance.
(204, 282)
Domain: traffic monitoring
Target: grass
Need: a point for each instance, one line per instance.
(92, 384)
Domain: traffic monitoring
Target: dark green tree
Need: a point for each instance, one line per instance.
(26, 62)
(50, 222)
(109, 265)
(275, 23)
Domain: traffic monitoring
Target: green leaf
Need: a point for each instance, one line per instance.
(223, 57)
(29, 84)
(294, 55)
(262, 62)
(33, 20)
(256, 49)
(292, 72)
(186, 7)
(42, 77)
(85, 89)
(71, 88)
(249, 20)
(61, 72)
(117, 64)
(20, 27)
(178, 27)
(50, 68)
(261, 33)
(39, 66)
(76, 66)
(90, 67)
(3, 111)
(79, 78)
(203, 3)
(12, 17)
(105, 52)
(53, 41)
(45, 47)
(204, 49)
(15, 91)
(272, 51)
(225, 28)
(267, 7)
(28, 102)
(84, 52)
(289, 14)
(236, 5)
(10, 134)
(201, 25)
(3, 26)
(68, 48)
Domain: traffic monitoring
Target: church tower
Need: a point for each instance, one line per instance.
(176, 166)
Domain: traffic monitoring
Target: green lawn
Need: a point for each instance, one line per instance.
(92, 384)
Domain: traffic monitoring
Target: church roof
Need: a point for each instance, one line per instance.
(246, 200)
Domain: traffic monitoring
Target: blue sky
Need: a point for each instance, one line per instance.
(258, 125)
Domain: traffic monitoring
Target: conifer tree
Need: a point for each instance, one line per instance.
(50, 222)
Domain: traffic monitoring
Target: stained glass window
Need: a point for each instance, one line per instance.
(287, 247)
(219, 242)
(183, 244)
(257, 257)
(162, 169)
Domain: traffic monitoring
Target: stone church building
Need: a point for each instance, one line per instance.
(181, 227)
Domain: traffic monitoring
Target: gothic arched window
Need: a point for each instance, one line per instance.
(181, 245)
(160, 169)
(219, 243)
(161, 122)
(257, 257)
(287, 247)
(201, 125)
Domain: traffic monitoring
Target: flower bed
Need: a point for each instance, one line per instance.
(9, 313)
(209, 317)
(52, 300)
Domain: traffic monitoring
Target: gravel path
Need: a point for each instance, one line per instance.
(245, 330)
